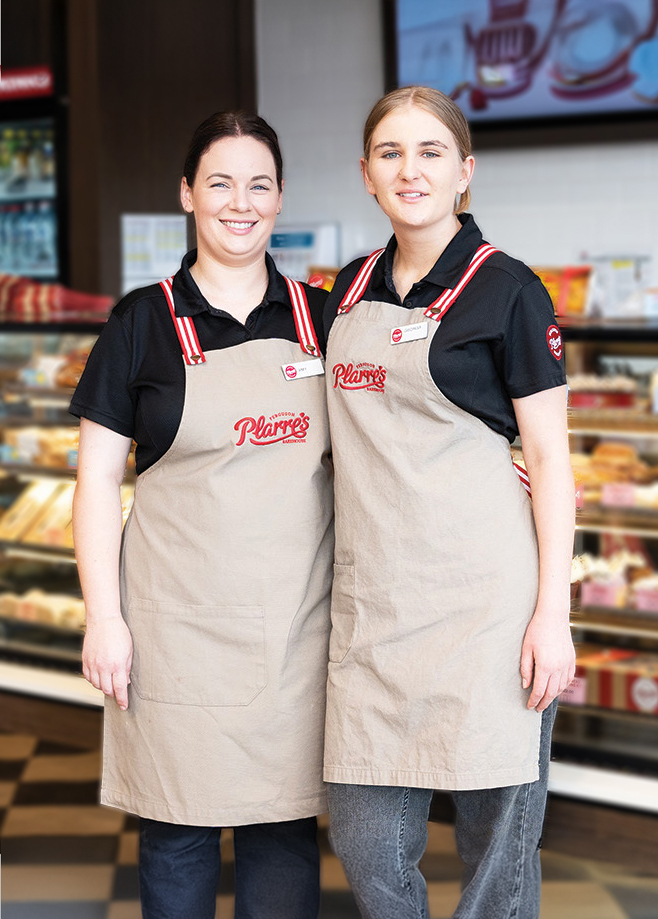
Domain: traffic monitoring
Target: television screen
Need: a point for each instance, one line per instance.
(505, 60)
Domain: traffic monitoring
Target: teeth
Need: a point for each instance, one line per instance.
(410, 194)
(238, 226)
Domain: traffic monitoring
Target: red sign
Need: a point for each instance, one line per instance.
(396, 335)
(291, 372)
(25, 82)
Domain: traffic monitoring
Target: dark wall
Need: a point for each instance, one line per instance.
(27, 29)
(142, 74)
(133, 78)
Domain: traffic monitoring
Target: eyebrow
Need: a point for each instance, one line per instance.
(393, 145)
(223, 175)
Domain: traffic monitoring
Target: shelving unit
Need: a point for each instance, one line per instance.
(609, 755)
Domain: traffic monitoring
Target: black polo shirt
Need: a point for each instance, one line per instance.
(134, 381)
(499, 340)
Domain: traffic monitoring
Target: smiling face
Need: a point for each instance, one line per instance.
(415, 171)
(234, 199)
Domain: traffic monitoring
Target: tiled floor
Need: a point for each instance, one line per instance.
(64, 857)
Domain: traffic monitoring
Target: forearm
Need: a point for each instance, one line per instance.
(553, 503)
(97, 523)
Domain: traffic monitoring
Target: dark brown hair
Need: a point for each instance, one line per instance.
(437, 104)
(231, 124)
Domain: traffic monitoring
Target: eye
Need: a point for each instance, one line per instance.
(390, 155)
(430, 154)
(219, 185)
(261, 188)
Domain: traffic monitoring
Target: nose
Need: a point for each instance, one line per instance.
(239, 200)
(408, 168)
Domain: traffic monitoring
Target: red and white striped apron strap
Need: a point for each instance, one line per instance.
(523, 477)
(442, 304)
(303, 321)
(192, 353)
(357, 288)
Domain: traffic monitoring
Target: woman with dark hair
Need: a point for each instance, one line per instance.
(450, 608)
(207, 623)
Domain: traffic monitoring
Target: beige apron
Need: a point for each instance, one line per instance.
(436, 570)
(225, 579)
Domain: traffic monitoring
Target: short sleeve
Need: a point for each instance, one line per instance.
(103, 394)
(529, 356)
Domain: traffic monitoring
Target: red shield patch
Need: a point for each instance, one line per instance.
(554, 339)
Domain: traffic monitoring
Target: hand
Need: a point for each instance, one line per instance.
(548, 659)
(107, 657)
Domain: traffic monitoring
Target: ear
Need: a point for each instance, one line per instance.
(366, 177)
(186, 196)
(468, 167)
(279, 203)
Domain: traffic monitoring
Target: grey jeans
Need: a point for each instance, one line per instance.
(380, 834)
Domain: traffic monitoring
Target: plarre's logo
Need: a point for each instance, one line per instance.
(283, 427)
(359, 376)
(291, 372)
(396, 335)
(554, 339)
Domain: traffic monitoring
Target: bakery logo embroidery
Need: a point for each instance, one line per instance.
(554, 339)
(282, 427)
(360, 376)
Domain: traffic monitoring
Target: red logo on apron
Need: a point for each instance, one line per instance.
(291, 372)
(554, 339)
(283, 427)
(359, 376)
(396, 335)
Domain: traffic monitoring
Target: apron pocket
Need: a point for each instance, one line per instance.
(343, 613)
(197, 655)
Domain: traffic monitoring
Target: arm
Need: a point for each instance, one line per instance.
(547, 657)
(107, 649)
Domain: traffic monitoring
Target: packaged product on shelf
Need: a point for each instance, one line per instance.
(615, 283)
(644, 594)
(617, 678)
(71, 368)
(58, 447)
(568, 288)
(592, 391)
(33, 502)
(322, 277)
(38, 606)
(54, 527)
(20, 445)
(607, 581)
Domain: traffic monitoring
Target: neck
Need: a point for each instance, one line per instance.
(417, 252)
(237, 289)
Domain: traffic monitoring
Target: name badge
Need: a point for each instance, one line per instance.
(409, 333)
(301, 369)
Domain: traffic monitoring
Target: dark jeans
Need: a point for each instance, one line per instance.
(380, 834)
(277, 870)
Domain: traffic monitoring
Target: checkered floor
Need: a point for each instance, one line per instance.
(64, 857)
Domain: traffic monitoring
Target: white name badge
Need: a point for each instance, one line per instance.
(301, 369)
(409, 333)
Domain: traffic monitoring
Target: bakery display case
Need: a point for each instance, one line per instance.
(606, 732)
(41, 608)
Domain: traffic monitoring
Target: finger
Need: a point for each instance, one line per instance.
(120, 685)
(527, 665)
(539, 685)
(106, 684)
(551, 691)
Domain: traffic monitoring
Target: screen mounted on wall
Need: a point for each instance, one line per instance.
(520, 60)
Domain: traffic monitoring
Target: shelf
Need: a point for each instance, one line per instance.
(37, 553)
(49, 684)
(617, 330)
(18, 470)
(31, 649)
(621, 424)
(603, 786)
(628, 622)
(619, 520)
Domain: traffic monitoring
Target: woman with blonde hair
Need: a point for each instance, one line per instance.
(450, 633)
